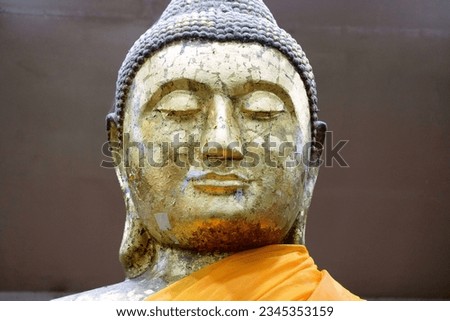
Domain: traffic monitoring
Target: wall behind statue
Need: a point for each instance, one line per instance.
(379, 226)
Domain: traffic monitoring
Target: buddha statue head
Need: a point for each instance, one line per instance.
(214, 133)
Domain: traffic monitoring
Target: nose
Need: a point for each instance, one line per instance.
(221, 137)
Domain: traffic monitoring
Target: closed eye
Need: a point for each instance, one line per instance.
(262, 105)
(262, 115)
(179, 103)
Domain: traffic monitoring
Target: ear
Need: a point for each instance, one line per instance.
(136, 249)
(113, 138)
(116, 148)
(298, 230)
(312, 169)
(318, 146)
(297, 233)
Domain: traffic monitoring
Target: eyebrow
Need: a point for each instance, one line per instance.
(234, 92)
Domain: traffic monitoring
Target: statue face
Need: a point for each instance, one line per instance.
(214, 134)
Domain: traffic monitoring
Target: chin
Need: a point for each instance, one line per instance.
(224, 235)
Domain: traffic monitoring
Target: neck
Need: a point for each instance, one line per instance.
(172, 264)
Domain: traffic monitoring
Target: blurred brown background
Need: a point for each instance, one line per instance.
(381, 227)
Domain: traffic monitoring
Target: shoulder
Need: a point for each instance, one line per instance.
(128, 290)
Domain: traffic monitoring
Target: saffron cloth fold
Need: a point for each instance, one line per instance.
(278, 272)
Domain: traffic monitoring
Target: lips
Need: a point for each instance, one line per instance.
(221, 184)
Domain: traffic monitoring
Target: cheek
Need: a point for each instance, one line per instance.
(277, 147)
(156, 175)
(156, 190)
(277, 143)
(157, 126)
(172, 138)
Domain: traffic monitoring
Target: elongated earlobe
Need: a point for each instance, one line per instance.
(137, 248)
(298, 230)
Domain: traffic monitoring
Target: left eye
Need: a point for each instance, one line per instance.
(262, 105)
(262, 114)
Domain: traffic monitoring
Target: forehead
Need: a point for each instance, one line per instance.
(221, 64)
(227, 68)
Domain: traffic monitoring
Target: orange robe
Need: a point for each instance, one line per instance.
(276, 272)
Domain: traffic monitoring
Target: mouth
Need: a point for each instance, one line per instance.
(221, 184)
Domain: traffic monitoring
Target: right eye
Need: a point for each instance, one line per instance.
(179, 103)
